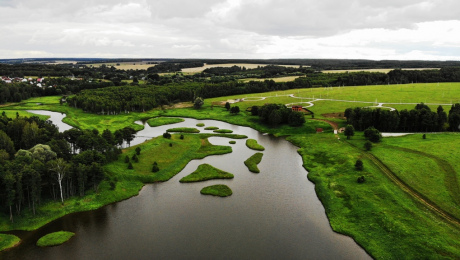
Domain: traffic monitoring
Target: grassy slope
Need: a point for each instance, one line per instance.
(217, 190)
(54, 239)
(206, 172)
(429, 166)
(377, 214)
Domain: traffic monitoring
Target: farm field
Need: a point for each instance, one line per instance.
(280, 79)
(247, 65)
(374, 70)
(140, 65)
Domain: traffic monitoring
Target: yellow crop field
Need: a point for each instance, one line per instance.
(373, 70)
(247, 65)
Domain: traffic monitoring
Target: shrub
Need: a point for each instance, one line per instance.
(170, 144)
(368, 145)
(167, 135)
(126, 159)
(155, 167)
(359, 165)
(182, 137)
(138, 150)
(424, 136)
(361, 179)
(130, 166)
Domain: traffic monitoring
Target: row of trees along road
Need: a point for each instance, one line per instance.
(419, 119)
(37, 163)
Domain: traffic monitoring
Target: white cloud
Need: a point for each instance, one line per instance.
(368, 29)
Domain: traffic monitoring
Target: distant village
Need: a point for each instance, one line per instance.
(39, 82)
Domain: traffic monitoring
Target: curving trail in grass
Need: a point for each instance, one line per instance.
(450, 181)
(409, 190)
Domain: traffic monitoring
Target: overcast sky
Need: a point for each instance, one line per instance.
(348, 29)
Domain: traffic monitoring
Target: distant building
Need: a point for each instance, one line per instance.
(319, 130)
(297, 108)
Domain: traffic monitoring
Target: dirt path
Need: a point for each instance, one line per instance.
(334, 125)
(413, 193)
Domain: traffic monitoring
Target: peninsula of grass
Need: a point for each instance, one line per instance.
(200, 124)
(206, 172)
(8, 241)
(223, 131)
(183, 130)
(159, 121)
(219, 190)
(55, 239)
(211, 128)
(253, 161)
(252, 144)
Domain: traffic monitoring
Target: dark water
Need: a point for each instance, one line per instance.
(271, 215)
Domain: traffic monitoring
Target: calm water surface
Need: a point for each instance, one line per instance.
(271, 215)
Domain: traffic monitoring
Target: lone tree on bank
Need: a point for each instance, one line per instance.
(198, 103)
(60, 168)
(349, 131)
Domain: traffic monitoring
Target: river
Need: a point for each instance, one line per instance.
(271, 215)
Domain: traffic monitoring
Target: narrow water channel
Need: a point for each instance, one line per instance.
(271, 215)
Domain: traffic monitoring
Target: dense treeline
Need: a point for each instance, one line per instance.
(419, 119)
(276, 114)
(268, 71)
(173, 67)
(39, 163)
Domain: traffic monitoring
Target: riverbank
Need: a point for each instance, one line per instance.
(120, 183)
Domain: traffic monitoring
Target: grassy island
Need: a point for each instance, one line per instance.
(8, 241)
(253, 161)
(200, 124)
(252, 144)
(55, 239)
(223, 131)
(159, 121)
(206, 172)
(183, 130)
(211, 128)
(217, 190)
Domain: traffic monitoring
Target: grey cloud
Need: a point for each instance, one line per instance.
(329, 17)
